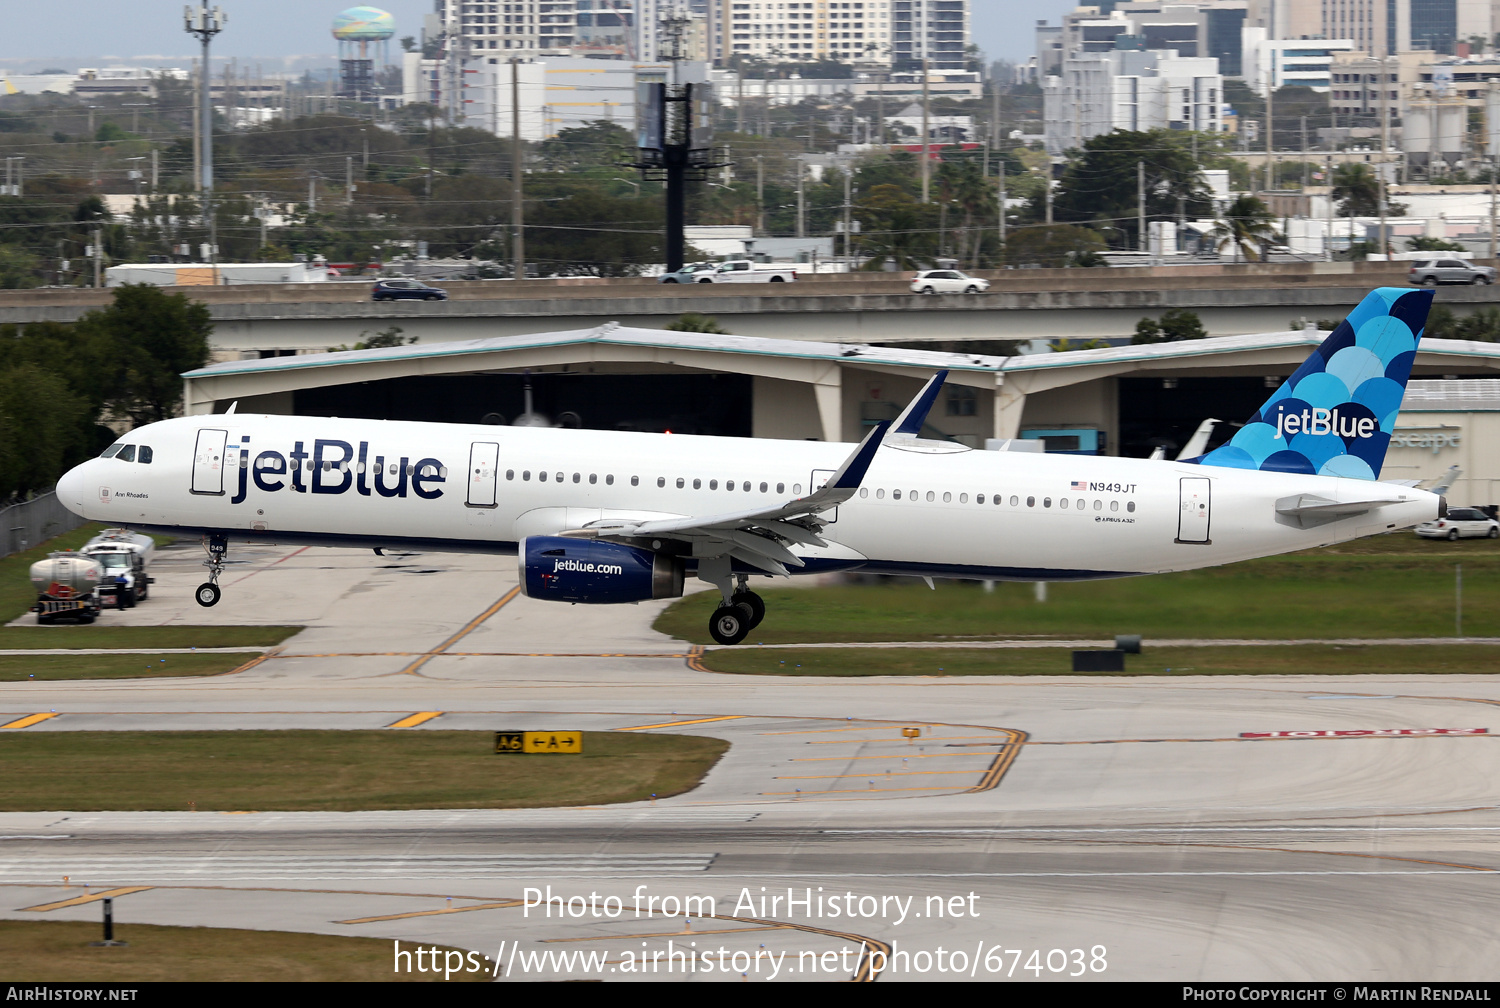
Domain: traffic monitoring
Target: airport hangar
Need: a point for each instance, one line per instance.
(1115, 401)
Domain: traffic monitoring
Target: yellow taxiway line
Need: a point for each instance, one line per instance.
(90, 898)
(412, 720)
(29, 720)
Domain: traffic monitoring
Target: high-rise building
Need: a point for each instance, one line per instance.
(1098, 92)
(530, 25)
(933, 30)
(849, 31)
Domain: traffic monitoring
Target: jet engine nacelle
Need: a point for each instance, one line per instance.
(595, 571)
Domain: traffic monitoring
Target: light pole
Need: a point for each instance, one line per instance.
(205, 24)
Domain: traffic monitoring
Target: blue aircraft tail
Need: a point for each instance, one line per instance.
(1335, 414)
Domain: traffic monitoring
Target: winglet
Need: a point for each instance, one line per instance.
(852, 473)
(914, 416)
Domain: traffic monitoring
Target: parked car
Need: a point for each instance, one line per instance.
(409, 290)
(947, 282)
(1461, 523)
(1448, 270)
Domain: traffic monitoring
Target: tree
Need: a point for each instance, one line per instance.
(1176, 324)
(1066, 345)
(1101, 185)
(1054, 245)
(157, 336)
(1483, 325)
(694, 322)
(1422, 243)
(1246, 227)
(42, 429)
(1357, 191)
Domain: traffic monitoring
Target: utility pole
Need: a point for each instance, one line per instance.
(760, 197)
(517, 155)
(206, 24)
(1385, 146)
(801, 200)
(1140, 206)
(155, 169)
(926, 134)
(1001, 202)
(312, 192)
(1328, 236)
(1048, 183)
(348, 181)
(1270, 128)
(98, 251)
(849, 219)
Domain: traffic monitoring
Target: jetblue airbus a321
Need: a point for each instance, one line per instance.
(608, 516)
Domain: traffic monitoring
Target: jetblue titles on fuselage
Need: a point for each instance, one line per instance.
(336, 467)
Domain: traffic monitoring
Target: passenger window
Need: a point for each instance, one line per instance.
(796, 487)
(558, 477)
(1130, 506)
(593, 478)
(541, 477)
(127, 453)
(510, 474)
(864, 491)
(895, 495)
(1063, 503)
(526, 474)
(442, 472)
(914, 495)
(679, 482)
(880, 495)
(781, 488)
(964, 499)
(947, 497)
(111, 451)
(729, 485)
(979, 499)
(1098, 504)
(712, 485)
(634, 480)
(1015, 501)
(1114, 505)
(1080, 504)
(577, 477)
(144, 455)
(1031, 502)
(1046, 502)
(697, 484)
(762, 487)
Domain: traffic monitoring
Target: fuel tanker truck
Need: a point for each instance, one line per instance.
(124, 555)
(67, 586)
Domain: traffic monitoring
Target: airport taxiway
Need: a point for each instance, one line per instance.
(1146, 817)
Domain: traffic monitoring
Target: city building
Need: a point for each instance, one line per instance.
(535, 25)
(858, 31)
(606, 28)
(1279, 63)
(1129, 89)
(936, 31)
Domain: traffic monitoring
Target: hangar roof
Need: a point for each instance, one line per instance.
(613, 334)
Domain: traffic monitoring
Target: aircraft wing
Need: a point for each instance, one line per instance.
(757, 536)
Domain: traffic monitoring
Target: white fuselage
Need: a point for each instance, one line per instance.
(959, 513)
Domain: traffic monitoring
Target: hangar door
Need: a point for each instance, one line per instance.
(208, 462)
(484, 461)
(1193, 510)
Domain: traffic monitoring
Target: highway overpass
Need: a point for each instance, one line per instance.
(849, 308)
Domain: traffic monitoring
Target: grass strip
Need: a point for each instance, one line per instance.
(45, 668)
(296, 770)
(1406, 588)
(1301, 659)
(59, 951)
(17, 596)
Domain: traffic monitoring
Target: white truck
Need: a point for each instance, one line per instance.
(124, 557)
(66, 586)
(745, 271)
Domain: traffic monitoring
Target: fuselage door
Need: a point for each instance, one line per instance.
(1193, 510)
(818, 481)
(208, 462)
(484, 462)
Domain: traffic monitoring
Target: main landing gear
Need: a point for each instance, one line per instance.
(216, 546)
(737, 616)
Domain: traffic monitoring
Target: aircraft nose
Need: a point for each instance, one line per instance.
(73, 488)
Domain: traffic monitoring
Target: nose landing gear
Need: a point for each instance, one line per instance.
(216, 546)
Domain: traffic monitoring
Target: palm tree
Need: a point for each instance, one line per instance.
(1246, 227)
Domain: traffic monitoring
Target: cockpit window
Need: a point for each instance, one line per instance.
(127, 453)
(110, 451)
(144, 455)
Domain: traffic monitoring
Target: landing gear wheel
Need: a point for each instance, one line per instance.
(207, 594)
(217, 547)
(729, 624)
(1453, 535)
(754, 602)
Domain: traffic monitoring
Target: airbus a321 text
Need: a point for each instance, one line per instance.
(610, 517)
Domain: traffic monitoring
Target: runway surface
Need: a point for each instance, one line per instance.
(1149, 828)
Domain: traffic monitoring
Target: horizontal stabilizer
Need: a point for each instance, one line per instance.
(1307, 510)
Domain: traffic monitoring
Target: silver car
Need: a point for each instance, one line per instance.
(1461, 523)
(1431, 272)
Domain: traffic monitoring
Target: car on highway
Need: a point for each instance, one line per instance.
(1449, 269)
(693, 273)
(947, 281)
(406, 290)
(1461, 523)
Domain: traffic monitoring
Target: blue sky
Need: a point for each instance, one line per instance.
(151, 30)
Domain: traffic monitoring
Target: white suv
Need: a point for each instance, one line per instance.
(1461, 523)
(947, 281)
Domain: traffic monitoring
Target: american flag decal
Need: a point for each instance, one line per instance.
(1076, 485)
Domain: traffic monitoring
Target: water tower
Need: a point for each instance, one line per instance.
(364, 35)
